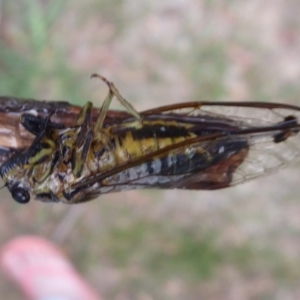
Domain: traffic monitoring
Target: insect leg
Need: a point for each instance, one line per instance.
(83, 139)
(43, 162)
(113, 91)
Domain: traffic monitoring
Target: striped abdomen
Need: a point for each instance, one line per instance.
(135, 143)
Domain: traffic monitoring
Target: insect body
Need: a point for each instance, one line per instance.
(196, 145)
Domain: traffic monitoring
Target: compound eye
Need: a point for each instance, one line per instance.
(20, 195)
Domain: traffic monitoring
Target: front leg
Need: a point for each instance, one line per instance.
(43, 161)
(83, 139)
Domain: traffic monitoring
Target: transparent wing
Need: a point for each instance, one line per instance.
(244, 114)
(258, 155)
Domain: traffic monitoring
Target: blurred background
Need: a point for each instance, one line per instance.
(237, 243)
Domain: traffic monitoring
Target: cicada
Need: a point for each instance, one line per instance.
(192, 146)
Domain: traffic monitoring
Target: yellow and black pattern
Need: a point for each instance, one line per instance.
(196, 145)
